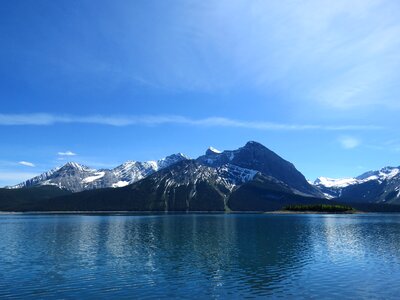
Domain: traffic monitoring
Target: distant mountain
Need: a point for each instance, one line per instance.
(257, 157)
(381, 186)
(186, 186)
(132, 171)
(251, 178)
(253, 156)
(75, 177)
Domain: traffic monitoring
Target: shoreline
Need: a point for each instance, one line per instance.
(290, 212)
(276, 212)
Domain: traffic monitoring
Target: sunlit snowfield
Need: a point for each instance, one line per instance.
(199, 255)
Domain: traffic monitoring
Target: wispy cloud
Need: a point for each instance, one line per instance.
(337, 54)
(28, 119)
(27, 164)
(67, 153)
(348, 142)
(155, 120)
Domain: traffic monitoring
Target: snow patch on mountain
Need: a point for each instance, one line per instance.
(120, 184)
(332, 182)
(212, 149)
(35, 180)
(77, 166)
(233, 175)
(76, 177)
(378, 186)
(93, 178)
(386, 173)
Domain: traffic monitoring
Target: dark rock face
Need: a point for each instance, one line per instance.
(186, 186)
(387, 191)
(370, 191)
(262, 194)
(257, 157)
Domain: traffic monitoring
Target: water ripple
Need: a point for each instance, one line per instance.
(201, 256)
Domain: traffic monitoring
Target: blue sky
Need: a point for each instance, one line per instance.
(101, 82)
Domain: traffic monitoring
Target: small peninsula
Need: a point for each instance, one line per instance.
(318, 208)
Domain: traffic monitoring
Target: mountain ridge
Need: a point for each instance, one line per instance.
(216, 181)
(249, 178)
(77, 177)
(377, 186)
(256, 156)
(185, 186)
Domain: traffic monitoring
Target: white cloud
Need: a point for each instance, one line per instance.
(26, 163)
(67, 153)
(27, 119)
(348, 142)
(154, 120)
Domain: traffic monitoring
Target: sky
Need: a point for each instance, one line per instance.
(102, 82)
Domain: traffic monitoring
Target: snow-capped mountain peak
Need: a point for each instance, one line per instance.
(169, 160)
(77, 177)
(386, 173)
(382, 174)
(211, 150)
(255, 156)
(374, 186)
(76, 166)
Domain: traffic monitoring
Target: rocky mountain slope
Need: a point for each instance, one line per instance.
(381, 186)
(186, 186)
(75, 177)
(253, 156)
(251, 178)
(257, 157)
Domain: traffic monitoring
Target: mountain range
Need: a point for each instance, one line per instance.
(251, 178)
(381, 186)
(75, 177)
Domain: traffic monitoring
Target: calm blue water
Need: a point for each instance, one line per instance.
(200, 256)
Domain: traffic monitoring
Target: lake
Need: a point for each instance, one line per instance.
(200, 256)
